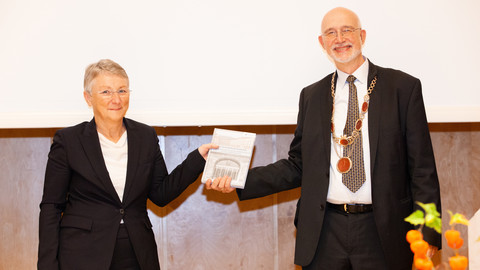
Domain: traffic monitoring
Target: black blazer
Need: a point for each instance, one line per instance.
(402, 164)
(80, 209)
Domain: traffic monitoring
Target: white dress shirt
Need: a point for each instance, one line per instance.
(338, 193)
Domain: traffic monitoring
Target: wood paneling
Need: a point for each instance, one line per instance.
(22, 167)
(208, 230)
(457, 156)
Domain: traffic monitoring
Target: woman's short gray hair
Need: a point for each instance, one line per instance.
(104, 65)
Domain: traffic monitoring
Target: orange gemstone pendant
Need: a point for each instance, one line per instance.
(344, 164)
(364, 107)
(358, 125)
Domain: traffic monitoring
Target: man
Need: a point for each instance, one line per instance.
(361, 166)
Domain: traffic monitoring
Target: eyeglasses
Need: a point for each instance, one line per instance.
(109, 93)
(345, 32)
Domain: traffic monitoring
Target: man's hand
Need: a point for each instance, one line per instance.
(221, 184)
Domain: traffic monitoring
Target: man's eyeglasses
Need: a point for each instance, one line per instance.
(109, 93)
(345, 32)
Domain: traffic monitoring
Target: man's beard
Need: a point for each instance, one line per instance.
(350, 58)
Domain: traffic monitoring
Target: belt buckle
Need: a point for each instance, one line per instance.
(345, 208)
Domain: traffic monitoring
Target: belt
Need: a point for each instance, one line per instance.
(351, 208)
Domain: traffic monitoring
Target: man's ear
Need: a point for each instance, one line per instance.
(363, 36)
(320, 39)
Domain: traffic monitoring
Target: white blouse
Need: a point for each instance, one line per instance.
(116, 157)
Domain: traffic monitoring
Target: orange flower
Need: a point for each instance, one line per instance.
(458, 262)
(414, 235)
(453, 239)
(419, 247)
(423, 263)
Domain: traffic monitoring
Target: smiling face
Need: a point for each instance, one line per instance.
(108, 109)
(342, 38)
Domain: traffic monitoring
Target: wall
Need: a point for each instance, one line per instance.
(213, 50)
(203, 229)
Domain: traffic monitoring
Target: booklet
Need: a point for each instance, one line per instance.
(232, 158)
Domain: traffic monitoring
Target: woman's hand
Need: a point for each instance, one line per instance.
(204, 148)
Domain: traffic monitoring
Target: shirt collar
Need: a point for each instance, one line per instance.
(361, 74)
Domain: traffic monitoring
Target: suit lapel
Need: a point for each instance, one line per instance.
(133, 157)
(374, 114)
(91, 145)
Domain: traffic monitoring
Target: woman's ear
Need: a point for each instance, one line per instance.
(88, 98)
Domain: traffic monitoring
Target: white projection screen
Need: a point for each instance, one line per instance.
(223, 62)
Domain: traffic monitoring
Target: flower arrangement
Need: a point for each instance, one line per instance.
(430, 217)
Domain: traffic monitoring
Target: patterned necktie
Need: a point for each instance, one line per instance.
(354, 178)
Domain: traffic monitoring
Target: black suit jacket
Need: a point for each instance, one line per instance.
(402, 164)
(80, 209)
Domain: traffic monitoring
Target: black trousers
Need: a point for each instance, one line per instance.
(124, 256)
(348, 242)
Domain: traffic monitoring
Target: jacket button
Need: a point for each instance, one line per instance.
(122, 211)
(322, 207)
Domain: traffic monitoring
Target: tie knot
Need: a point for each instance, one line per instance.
(351, 79)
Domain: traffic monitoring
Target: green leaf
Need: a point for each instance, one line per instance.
(416, 218)
(429, 208)
(432, 217)
(457, 219)
(435, 224)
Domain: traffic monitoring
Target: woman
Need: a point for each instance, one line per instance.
(98, 178)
